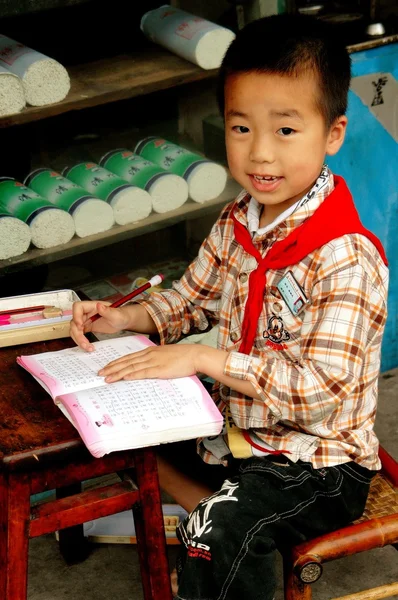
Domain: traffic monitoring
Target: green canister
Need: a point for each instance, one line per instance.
(91, 215)
(168, 191)
(206, 179)
(50, 226)
(130, 203)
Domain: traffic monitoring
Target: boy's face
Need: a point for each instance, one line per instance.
(276, 138)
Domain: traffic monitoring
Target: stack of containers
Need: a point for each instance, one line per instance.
(130, 203)
(44, 80)
(91, 215)
(49, 226)
(168, 191)
(206, 179)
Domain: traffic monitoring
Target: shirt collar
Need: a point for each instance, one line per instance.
(250, 209)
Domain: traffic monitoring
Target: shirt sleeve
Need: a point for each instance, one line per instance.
(192, 305)
(341, 330)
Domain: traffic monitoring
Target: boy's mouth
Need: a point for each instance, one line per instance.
(261, 178)
(265, 183)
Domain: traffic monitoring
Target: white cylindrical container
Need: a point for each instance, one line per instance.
(206, 179)
(12, 97)
(45, 80)
(168, 191)
(49, 226)
(193, 38)
(15, 236)
(130, 203)
(91, 215)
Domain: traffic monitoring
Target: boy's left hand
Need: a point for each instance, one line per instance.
(160, 362)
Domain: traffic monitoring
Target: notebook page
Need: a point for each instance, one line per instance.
(127, 412)
(74, 369)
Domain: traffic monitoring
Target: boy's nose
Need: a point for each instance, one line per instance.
(261, 152)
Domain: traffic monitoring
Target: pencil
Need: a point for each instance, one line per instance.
(27, 309)
(155, 280)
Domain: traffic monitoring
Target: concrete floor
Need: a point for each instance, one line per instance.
(112, 571)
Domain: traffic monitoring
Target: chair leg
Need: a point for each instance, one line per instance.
(294, 588)
(149, 524)
(14, 535)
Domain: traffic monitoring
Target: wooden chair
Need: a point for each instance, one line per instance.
(378, 527)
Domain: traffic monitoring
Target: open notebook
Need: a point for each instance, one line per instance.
(125, 414)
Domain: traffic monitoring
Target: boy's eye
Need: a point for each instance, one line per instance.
(240, 129)
(286, 130)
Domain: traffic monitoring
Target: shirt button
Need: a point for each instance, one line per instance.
(277, 307)
(243, 277)
(234, 336)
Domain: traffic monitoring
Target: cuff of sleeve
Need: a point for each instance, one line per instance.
(158, 317)
(237, 365)
(243, 366)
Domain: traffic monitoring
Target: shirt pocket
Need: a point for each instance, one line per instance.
(279, 331)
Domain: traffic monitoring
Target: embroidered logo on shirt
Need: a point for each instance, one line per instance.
(276, 334)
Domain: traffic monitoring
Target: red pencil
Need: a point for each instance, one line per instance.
(155, 280)
(28, 309)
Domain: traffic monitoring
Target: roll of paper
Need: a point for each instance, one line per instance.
(15, 236)
(49, 226)
(12, 97)
(193, 38)
(45, 80)
(130, 203)
(168, 191)
(206, 179)
(91, 215)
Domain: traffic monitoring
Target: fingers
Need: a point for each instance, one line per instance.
(78, 336)
(139, 365)
(79, 325)
(133, 372)
(81, 311)
(128, 358)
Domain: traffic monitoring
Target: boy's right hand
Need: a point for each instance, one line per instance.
(112, 320)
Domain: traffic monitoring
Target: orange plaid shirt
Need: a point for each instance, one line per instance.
(316, 373)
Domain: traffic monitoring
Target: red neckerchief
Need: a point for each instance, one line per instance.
(335, 217)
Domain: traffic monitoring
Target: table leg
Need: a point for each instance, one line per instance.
(142, 551)
(14, 535)
(72, 543)
(149, 524)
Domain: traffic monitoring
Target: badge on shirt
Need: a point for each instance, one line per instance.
(292, 293)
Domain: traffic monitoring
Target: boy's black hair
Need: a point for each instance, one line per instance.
(292, 44)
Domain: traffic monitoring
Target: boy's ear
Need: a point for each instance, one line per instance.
(336, 135)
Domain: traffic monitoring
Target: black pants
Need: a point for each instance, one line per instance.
(229, 540)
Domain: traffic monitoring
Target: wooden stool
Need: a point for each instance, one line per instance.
(378, 527)
(40, 450)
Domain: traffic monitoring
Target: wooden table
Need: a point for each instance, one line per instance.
(40, 450)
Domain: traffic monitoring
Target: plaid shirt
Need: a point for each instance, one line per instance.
(316, 373)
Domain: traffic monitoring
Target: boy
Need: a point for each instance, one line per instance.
(298, 288)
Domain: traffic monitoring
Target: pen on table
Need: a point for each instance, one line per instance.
(155, 280)
(26, 309)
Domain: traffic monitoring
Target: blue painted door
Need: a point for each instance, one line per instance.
(368, 161)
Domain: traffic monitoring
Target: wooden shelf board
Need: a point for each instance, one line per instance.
(118, 233)
(117, 78)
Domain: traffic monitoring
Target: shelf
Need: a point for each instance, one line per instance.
(118, 233)
(117, 78)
